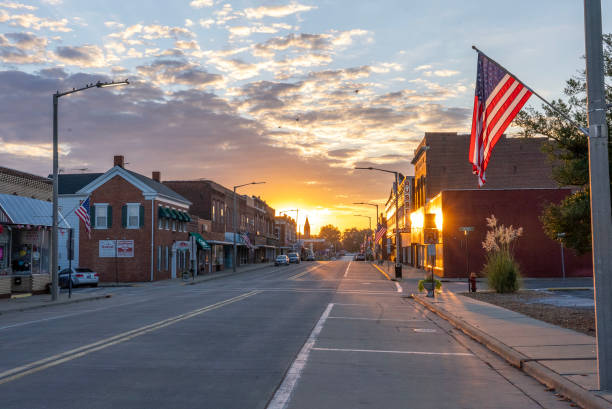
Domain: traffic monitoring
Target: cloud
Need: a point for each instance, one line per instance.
(206, 23)
(188, 22)
(198, 4)
(173, 72)
(30, 21)
(22, 48)
(152, 32)
(13, 5)
(84, 56)
(440, 73)
(276, 11)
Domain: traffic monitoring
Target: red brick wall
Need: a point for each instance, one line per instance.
(538, 255)
(117, 192)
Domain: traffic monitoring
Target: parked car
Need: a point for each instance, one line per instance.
(310, 257)
(294, 258)
(281, 260)
(360, 257)
(79, 276)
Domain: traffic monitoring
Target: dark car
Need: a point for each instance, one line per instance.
(79, 275)
(294, 258)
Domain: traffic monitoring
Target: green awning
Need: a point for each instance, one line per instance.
(187, 217)
(180, 216)
(200, 240)
(174, 214)
(163, 212)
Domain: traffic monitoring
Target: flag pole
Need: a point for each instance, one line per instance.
(584, 131)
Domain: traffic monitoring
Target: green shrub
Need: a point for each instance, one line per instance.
(422, 286)
(502, 271)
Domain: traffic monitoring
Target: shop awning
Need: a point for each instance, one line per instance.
(27, 211)
(163, 212)
(187, 217)
(200, 240)
(174, 214)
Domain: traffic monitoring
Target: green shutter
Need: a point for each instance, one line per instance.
(109, 216)
(141, 218)
(124, 216)
(92, 215)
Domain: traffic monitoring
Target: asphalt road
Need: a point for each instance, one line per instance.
(315, 335)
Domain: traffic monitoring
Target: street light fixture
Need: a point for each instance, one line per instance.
(398, 265)
(234, 215)
(375, 205)
(370, 218)
(54, 230)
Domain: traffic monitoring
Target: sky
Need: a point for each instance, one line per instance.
(293, 93)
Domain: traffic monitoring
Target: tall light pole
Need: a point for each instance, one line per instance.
(371, 204)
(297, 225)
(599, 182)
(398, 265)
(370, 218)
(234, 216)
(54, 230)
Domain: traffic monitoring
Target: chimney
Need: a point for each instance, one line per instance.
(118, 161)
(156, 176)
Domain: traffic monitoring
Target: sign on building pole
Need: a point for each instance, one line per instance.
(599, 182)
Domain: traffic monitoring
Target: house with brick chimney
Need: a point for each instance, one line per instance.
(138, 227)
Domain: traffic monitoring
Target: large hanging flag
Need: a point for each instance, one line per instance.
(83, 213)
(380, 234)
(499, 97)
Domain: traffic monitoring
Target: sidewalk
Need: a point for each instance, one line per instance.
(560, 358)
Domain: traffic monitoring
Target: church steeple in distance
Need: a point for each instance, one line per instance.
(306, 229)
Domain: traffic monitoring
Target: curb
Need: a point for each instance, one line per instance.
(34, 307)
(548, 377)
(223, 275)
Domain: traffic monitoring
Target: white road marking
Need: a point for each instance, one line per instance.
(283, 393)
(360, 305)
(424, 329)
(395, 352)
(20, 324)
(375, 319)
(399, 287)
(347, 268)
(33, 367)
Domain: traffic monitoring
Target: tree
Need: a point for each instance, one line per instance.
(567, 148)
(331, 234)
(353, 238)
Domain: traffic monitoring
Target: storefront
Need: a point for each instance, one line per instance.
(203, 254)
(25, 241)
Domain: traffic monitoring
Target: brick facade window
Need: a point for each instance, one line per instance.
(102, 215)
(133, 216)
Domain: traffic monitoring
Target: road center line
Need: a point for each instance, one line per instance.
(283, 393)
(382, 272)
(395, 352)
(347, 268)
(33, 367)
(304, 272)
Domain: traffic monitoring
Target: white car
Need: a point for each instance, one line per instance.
(79, 276)
(281, 260)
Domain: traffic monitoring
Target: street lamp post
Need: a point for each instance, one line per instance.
(560, 236)
(371, 204)
(370, 218)
(234, 216)
(54, 230)
(398, 265)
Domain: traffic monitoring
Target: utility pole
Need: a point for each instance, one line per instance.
(599, 182)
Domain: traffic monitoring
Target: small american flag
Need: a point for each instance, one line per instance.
(380, 233)
(246, 240)
(83, 213)
(499, 97)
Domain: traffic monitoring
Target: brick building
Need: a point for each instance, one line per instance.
(519, 185)
(285, 229)
(139, 227)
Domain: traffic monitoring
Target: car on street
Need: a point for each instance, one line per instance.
(360, 257)
(281, 260)
(79, 276)
(294, 258)
(310, 257)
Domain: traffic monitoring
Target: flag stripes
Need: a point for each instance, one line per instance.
(498, 99)
(82, 213)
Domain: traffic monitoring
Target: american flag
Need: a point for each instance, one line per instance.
(499, 97)
(83, 213)
(380, 233)
(246, 240)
